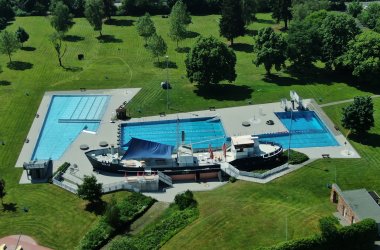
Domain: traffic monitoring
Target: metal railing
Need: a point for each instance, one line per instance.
(65, 186)
(164, 178)
(120, 185)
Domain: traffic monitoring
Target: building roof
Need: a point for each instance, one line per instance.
(362, 204)
(242, 140)
(36, 164)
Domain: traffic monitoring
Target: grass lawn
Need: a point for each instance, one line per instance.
(248, 215)
(56, 218)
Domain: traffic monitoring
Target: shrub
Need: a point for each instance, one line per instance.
(185, 200)
(232, 179)
(296, 157)
(133, 205)
(97, 236)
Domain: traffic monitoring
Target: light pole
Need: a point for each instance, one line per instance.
(167, 82)
(290, 132)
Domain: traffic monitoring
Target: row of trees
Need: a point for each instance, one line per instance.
(332, 38)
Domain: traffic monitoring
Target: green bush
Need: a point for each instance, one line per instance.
(358, 236)
(185, 200)
(97, 236)
(232, 179)
(296, 157)
(124, 243)
(156, 236)
(133, 205)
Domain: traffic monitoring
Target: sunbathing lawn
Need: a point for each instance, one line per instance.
(248, 215)
(56, 218)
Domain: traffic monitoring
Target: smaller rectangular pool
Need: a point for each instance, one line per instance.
(306, 130)
(200, 132)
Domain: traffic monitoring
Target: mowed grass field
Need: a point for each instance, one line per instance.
(245, 215)
(56, 218)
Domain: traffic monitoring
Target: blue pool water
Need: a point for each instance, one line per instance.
(199, 132)
(307, 130)
(67, 116)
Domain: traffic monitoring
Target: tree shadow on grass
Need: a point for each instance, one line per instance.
(183, 49)
(119, 22)
(97, 207)
(10, 207)
(243, 47)
(224, 92)
(18, 65)
(192, 34)
(109, 39)
(73, 69)
(28, 48)
(73, 38)
(251, 32)
(367, 139)
(164, 64)
(5, 83)
(258, 20)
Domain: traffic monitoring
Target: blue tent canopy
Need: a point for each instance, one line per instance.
(140, 149)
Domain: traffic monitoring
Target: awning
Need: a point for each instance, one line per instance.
(142, 149)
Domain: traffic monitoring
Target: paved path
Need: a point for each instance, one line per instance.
(343, 101)
(28, 243)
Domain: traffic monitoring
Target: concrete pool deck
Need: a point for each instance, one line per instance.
(231, 118)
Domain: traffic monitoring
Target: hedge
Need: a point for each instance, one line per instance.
(296, 157)
(359, 236)
(132, 207)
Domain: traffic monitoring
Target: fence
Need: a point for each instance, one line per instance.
(121, 185)
(64, 186)
(232, 171)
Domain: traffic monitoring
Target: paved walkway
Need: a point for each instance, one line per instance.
(343, 101)
(26, 242)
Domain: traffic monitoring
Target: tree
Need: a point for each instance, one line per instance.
(302, 8)
(355, 8)
(157, 46)
(8, 43)
(231, 24)
(109, 8)
(179, 19)
(94, 14)
(62, 19)
(112, 213)
(337, 5)
(328, 227)
(210, 61)
(177, 31)
(281, 10)
(59, 47)
(22, 35)
(363, 56)
(377, 27)
(185, 200)
(249, 9)
(358, 116)
(6, 10)
(145, 27)
(370, 15)
(336, 31)
(179, 13)
(303, 44)
(2, 191)
(270, 49)
(90, 189)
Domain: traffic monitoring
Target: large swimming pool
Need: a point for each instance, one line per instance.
(200, 132)
(67, 116)
(306, 130)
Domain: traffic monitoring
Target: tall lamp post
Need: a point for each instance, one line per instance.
(167, 82)
(290, 132)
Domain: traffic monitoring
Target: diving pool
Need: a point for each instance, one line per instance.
(306, 130)
(199, 132)
(67, 116)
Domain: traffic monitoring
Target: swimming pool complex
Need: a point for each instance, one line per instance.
(67, 116)
(306, 130)
(199, 132)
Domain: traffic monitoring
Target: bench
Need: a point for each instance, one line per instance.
(326, 155)
(162, 114)
(212, 108)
